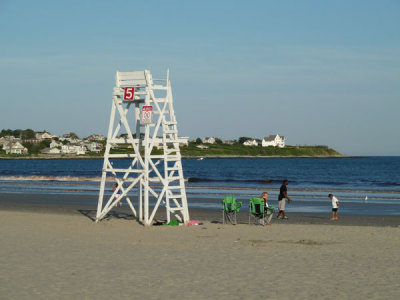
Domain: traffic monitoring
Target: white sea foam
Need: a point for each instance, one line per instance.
(53, 178)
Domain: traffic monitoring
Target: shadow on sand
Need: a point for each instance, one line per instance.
(91, 214)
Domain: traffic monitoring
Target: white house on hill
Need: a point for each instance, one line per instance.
(250, 143)
(7, 139)
(73, 149)
(14, 148)
(43, 135)
(274, 141)
(67, 137)
(94, 147)
(209, 140)
(55, 144)
(96, 137)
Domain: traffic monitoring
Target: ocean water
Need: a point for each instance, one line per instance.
(208, 180)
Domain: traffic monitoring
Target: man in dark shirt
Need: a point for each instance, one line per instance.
(282, 200)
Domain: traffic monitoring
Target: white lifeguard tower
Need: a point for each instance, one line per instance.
(145, 164)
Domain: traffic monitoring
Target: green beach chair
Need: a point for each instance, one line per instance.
(230, 208)
(258, 213)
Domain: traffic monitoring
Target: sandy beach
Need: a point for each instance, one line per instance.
(60, 253)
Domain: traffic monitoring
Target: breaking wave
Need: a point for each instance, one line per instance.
(52, 178)
(196, 179)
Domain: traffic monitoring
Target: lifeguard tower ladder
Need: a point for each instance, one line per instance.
(135, 166)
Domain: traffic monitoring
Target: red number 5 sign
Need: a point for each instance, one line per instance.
(129, 93)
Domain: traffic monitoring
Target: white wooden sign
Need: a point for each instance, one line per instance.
(147, 115)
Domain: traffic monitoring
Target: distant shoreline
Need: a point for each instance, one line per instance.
(186, 157)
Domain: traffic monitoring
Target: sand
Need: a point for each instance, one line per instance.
(48, 254)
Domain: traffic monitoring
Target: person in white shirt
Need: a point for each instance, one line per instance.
(265, 197)
(335, 206)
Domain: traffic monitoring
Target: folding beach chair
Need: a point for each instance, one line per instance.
(258, 213)
(230, 208)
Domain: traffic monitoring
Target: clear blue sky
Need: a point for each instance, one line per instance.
(318, 72)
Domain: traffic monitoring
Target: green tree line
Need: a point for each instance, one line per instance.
(18, 133)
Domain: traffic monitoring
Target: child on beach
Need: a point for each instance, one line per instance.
(118, 193)
(335, 206)
(265, 195)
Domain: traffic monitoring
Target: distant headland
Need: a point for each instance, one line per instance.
(29, 144)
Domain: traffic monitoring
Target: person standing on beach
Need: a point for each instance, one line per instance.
(282, 200)
(335, 206)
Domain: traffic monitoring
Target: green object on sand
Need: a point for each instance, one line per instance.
(172, 223)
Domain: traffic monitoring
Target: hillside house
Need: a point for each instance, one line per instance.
(55, 144)
(250, 143)
(6, 139)
(73, 149)
(14, 148)
(96, 137)
(43, 135)
(67, 137)
(32, 141)
(274, 141)
(209, 140)
(94, 147)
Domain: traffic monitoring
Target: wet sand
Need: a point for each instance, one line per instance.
(87, 204)
(50, 251)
